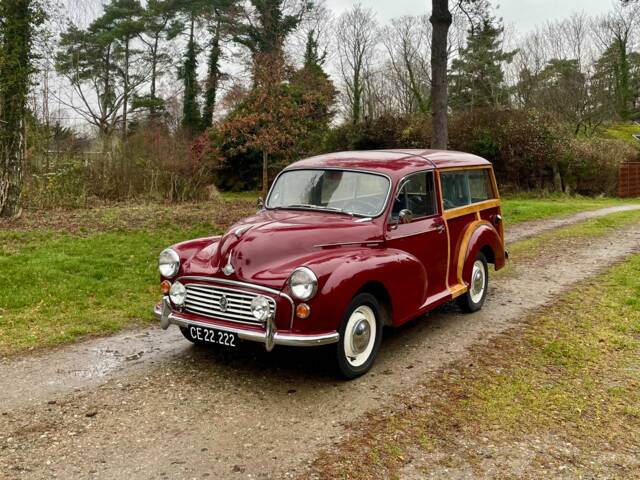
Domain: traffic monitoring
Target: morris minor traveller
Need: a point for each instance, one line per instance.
(344, 245)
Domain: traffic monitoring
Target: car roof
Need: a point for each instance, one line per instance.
(395, 163)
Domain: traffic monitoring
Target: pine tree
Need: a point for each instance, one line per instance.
(477, 78)
(191, 119)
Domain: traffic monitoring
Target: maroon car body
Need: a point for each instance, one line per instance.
(408, 263)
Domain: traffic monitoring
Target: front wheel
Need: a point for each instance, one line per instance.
(473, 300)
(360, 336)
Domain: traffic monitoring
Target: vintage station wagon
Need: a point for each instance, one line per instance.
(345, 244)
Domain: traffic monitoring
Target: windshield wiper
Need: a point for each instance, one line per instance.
(320, 207)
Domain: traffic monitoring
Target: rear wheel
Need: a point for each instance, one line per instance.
(360, 336)
(473, 300)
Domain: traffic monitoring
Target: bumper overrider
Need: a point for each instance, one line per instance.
(270, 337)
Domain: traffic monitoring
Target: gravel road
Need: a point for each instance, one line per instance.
(147, 404)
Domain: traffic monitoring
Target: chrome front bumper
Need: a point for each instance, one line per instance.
(270, 337)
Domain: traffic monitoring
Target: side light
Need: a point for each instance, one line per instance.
(303, 311)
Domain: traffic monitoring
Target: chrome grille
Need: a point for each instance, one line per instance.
(203, 299)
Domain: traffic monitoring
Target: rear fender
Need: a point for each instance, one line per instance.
(481, 235)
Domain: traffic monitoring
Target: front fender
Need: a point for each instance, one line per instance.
(401, 274)
(480, 234)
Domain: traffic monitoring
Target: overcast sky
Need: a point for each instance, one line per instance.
(522, 15)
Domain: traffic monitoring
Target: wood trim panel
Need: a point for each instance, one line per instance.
(464, 244)
(457, 290)
(473, 208)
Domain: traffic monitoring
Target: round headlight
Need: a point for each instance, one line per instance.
(303, 283)
(178, 293)
(260, 308)
(168, 263)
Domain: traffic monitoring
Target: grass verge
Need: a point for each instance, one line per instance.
(62, 287)
(518, 209)
(556, 398)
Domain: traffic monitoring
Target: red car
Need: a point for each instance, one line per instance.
(345, 244)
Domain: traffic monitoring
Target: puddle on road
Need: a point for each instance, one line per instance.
(82, 365)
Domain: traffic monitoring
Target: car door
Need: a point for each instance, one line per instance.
(420, 229)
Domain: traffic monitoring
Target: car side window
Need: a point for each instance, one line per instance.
(479, 186)
(455, 189)
(417, 194)
(461, 188)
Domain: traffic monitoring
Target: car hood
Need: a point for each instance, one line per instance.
(265, 248)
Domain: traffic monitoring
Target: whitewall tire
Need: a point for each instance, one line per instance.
(360, 336)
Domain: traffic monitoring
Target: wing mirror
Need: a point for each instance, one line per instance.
(405, 216)
(260, 203)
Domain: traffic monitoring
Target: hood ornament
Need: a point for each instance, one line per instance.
(240, 230)
(228, 269)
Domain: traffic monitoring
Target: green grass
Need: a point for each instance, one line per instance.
(235, 196)
(570, 377)
(623, 131)
(60, 287)
(518, 209)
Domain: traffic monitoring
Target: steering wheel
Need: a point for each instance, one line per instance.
(360, 205)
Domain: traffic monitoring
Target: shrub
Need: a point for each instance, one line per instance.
(151, 165)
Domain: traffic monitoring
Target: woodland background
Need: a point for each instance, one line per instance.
(174, 100)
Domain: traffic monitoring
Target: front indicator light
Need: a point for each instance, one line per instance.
(303, 311)
(165, 287)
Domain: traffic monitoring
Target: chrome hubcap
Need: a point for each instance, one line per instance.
(478, 282)
(360, 335)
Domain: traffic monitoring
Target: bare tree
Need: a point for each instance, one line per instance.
(407, 41)
(356, 35)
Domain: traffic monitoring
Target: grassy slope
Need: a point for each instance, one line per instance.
(562, 396)
(623, 131)
(93, 271)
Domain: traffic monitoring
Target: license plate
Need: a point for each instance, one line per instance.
(211, 335)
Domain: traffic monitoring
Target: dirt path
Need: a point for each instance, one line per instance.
(149, 405)
(536, 227)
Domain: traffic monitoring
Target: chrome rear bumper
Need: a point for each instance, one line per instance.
(270, 337)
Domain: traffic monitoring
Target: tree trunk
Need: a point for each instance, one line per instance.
(441, 20)
(154, 75)
(265, 174)
(213, 78)
(125, 101)
(14, 86)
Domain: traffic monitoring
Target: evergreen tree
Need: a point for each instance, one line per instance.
(265, 36)
(18, 21)
(122, 21)
(191, 119)
(477, 78)
(220, 19)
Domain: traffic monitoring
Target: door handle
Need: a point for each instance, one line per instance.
(440, 228)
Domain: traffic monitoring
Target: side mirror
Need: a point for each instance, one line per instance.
(405, 216)
(260, 203)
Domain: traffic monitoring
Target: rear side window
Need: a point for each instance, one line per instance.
(416, 194)
(465, 187)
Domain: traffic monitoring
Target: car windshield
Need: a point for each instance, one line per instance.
(354, 193)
